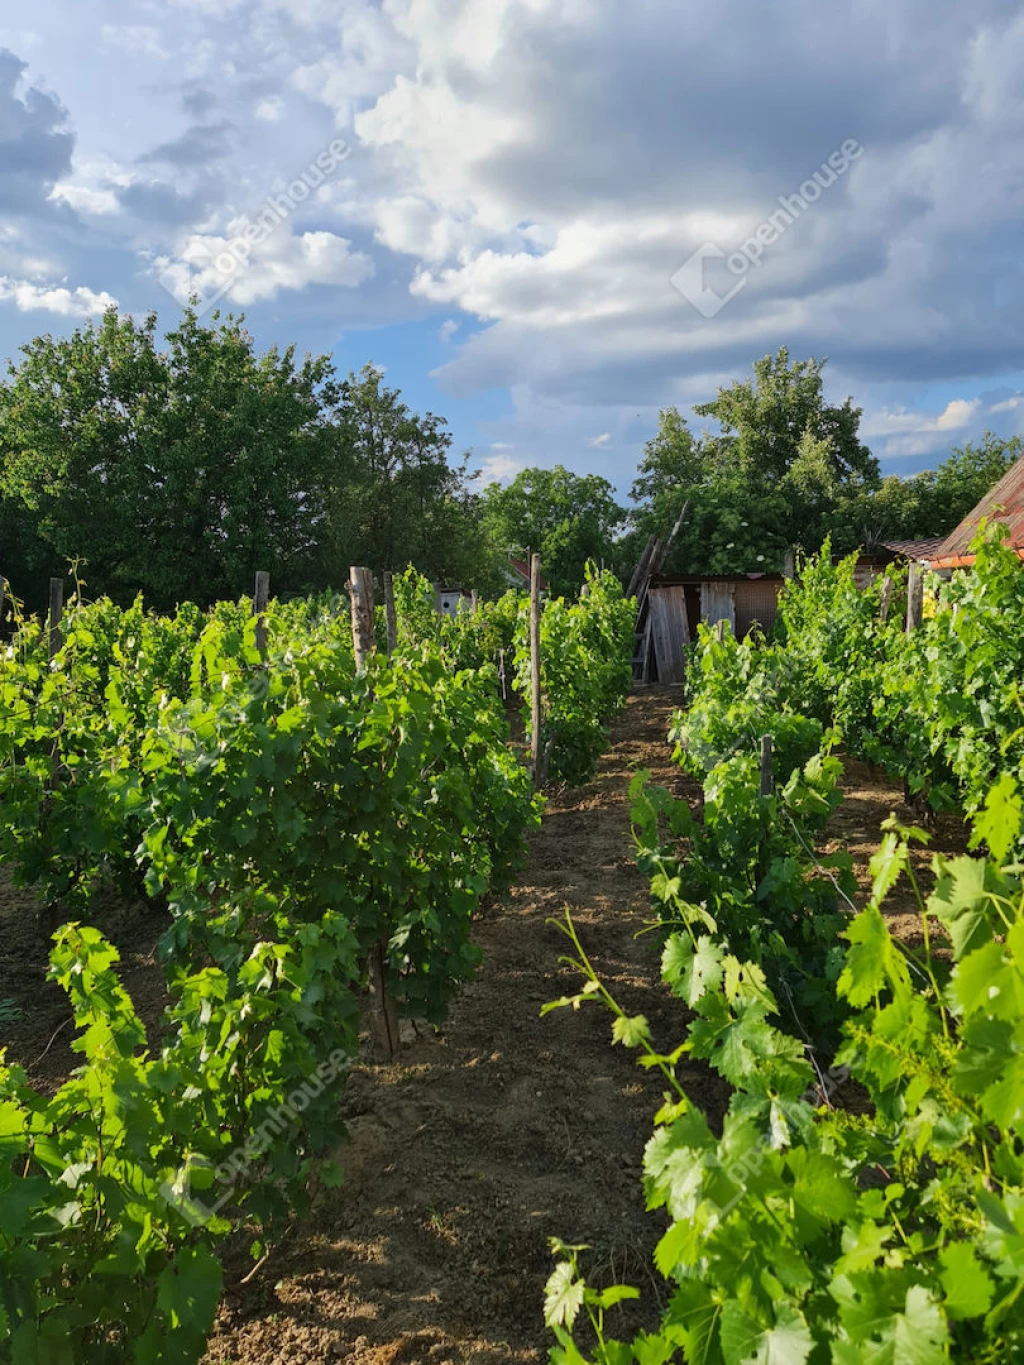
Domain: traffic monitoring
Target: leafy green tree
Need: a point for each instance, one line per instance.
(26, 560)
(764, 422)
(567, 518)
(179, 471)
(932, 502)
(395, 499)
(182, 470)
(771, 477)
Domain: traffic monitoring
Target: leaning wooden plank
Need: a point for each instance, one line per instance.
(670, 632)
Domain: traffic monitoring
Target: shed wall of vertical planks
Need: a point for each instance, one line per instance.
(670, 633)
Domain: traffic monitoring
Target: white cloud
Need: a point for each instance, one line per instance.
(955, 416)
(84, 199)
(531, 166)
(499, 468)
(141, 40)
(596, 442)
(282, 262)
(270, 110)
(556, 210)
(19, 40)
(72, 303)
(215, 9)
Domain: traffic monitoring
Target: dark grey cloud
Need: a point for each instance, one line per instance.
(35, 143)
(197, 102)
(158, 202)
(197, 146)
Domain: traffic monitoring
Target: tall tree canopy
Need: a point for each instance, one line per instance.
(396, 498)
(567, 518)
(181, 469)
(931, 503)
(771, 476)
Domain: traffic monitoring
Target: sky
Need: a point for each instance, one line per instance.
(544, 219)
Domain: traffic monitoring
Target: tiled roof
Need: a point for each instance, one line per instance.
(916, 549)
(523, 569)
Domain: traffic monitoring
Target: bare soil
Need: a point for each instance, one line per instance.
(39, 1035)
(870, 796)
(478, 1143)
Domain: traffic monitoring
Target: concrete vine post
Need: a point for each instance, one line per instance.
(360, 587)
(767, 785)
(49, 916)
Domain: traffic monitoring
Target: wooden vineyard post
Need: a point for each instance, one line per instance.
(49, 916)
(535, 765)
(56, 615)
(886, 600)
(915, 597)
(767, 786)
(360, 587)
(915, 615)
(789, 564)
(383, 1015)
(474, 601)
(721, 631)
(389, 611)
(260, 598)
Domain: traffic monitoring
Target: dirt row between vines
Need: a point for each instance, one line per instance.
(465, 1155)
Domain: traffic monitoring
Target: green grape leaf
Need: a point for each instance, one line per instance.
(692, 972)
(999, 821)
(872, 962)
(563, 1296)
(967, 1284)
(745, 1342)
(631, 1030)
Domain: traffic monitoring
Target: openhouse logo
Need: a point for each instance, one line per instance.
(690, 279)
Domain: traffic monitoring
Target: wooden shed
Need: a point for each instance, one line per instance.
(677, 603)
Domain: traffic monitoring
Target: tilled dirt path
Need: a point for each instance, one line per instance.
(466, 1155)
